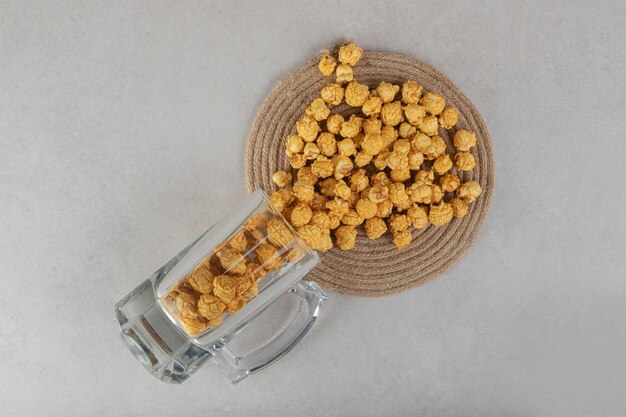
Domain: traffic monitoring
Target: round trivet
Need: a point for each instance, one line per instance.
(375, 267)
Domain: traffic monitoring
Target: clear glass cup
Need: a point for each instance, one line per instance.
(189, 310)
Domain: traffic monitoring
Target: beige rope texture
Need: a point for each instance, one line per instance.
(375, 267)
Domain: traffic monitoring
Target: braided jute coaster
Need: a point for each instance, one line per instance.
(375, 267)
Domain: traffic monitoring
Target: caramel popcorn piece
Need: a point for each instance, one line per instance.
(342, 190)
(420, 193)
(378, 193)
(464, 140)
(416, 159)
(442, 164)
(389, 135)
(210, 306)
(372, 125)
(235, 306)
(351, 127)
(356, 94)
(297, 160)
(387, 91)
(327, 65)
(251, 293)
(459, 207)
(345, 237)
(448, 117)
(281, 178)
(327, 187)
(406, 130)
(350, 54)
(318, 202)
(257, 221)
(411, 92)
(359, 180)
(301, 215)
(385, 208)
(314, 237)
(278, 233)
(311, 151)
(391, 113)
(380, 160)
(439, 146)
(449, 182)
(344, 73)
(201, 279)
(342, 165)
(402, 239)
(375, 227)
(294, 144)
(333, 124)
(332, 94)
(327, 144)
(435, 194)
(398, 160)
(286, 195)
(422, 143)
(464, 161)
(352, 218)
(254, 273)
(306, 172)
(373, 144)
(429, 125)
(362, 158)
(277, 201)
(418, 216)
(400, 174)
(414, 113)
(318, 110)
(366, 208)
(267, 256)
(232, 262)
(372, 106)
(307, 128)
(433, 103)
(380, 178)
(399, 222)
(469, 191)
(194, 326)
(320, 219)
(337, 207)
(303, 190)
(440, 214)
(322, 169)
(424, 176)
(186, 304)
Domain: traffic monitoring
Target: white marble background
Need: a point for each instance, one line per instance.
(122, 130)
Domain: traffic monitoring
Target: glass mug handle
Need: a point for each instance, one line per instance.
(310, 298)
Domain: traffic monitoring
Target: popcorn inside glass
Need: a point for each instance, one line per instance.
(189, 310)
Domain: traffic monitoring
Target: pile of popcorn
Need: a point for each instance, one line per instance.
(387, 170)
(225, 280)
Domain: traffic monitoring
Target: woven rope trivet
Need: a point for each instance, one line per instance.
(375, 267)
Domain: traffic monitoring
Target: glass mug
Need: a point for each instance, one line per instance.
(188, 311)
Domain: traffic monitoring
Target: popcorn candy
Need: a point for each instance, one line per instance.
(406, 130)
(424, 176)
(359, 180)
(385, 209)
(344, 73)
(351, 128)
(342, 165)
(297, 160)
(391, 113)
(278, 233)
(442, 164)
(314, 237)
(469, 191)
(411, 92)
(281, 178)
(324, 169)
(333, 124)
(414, 113)
(433, 103)
(318, 110)
(464, 161)
(378, 193)
(399, 222)
(267, 256)
(389, 135)
(342, 190)
(373, 144)
(375, 227)
(345, 237)
(294, 144)
(387, 92)
(429, 125)
(449, 182)
(327, 65)
(333, 94)
(311, 151)
(372, 106)
(400, 174)
(418, 216)
(448, 117)
(301, 215)
(186, 304)
(366, 208)
(352, 218)
(440, 214)
(320, 219)
(232, 262)
(402, 239)
(362, 158)
(307, 128)
(224, 287)
(327, 144)
(210, 306)
(372, 125)
(303, 189)
(459, 207)
(356, 94)
(201, 279)
(464, 140)
(350, 54)
(416, 159)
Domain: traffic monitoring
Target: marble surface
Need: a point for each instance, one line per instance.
(122, 131)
